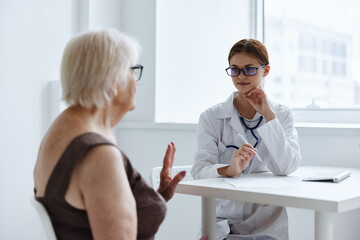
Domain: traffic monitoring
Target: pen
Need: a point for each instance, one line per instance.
(244, 141)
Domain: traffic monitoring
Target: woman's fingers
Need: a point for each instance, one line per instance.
(169, 189)
(168, 153)
(167, 183)
(168, 161)
(172, 156)
(178, 177)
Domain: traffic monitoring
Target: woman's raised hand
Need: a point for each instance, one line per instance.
(167, 183)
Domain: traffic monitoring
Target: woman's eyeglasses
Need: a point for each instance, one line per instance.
(250, 71)
(137, 71)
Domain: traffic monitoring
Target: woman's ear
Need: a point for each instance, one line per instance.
(267, 70)
(115, 90)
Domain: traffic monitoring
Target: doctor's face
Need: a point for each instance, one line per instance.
(245, 83)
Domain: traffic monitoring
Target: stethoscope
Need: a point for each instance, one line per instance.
(251, 130)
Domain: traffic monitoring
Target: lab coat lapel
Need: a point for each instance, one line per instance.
(236, 125)
(234, 117)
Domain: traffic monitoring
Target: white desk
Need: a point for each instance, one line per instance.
(326, 199)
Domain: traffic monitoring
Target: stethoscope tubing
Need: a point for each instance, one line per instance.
(251, 130)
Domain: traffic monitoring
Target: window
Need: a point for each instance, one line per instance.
(193, 39)
(339, 69)
(313, 55)
(306, 64)
(318, 53)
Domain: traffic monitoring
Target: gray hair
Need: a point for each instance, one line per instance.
(93, 64)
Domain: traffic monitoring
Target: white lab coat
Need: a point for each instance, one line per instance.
(278, 148)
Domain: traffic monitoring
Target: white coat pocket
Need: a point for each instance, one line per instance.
(225, 153)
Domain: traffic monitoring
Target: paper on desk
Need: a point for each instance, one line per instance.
(260, 181)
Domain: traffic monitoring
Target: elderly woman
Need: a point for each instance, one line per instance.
(86, 183)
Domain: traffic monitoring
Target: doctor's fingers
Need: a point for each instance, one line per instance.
(255, 93)
(256, 98)
(247, 148)
(242, 155)
(247, 151)
(245, 156)
(247, 145)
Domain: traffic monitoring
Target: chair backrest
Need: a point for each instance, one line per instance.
(155, 174)
(45, 219)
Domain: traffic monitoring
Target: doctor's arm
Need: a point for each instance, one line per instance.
(207, 153)
(281, 139)
(240, 161)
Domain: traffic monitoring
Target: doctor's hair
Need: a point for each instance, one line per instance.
(94, 64)
(252, 47)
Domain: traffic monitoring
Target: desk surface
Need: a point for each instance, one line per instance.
(319, 196)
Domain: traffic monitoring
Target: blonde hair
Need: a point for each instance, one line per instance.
(93, 64)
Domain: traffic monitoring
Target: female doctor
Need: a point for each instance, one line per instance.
(269, 130)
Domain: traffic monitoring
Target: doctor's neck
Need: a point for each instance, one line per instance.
(243, 106)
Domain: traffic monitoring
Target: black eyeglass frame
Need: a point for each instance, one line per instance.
(243, 70)
(138, 66)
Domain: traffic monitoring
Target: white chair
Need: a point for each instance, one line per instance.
(45, 219)
(155, 174)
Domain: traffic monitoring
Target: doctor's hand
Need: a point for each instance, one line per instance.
(257, 98)
(241, 160)
(167, 183)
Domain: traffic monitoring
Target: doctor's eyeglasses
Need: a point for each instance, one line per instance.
(250, 71)
(137, 71)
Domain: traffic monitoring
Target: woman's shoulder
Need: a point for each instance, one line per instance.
(104, 161)
(108, 153)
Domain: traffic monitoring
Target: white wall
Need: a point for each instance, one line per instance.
(33, 35)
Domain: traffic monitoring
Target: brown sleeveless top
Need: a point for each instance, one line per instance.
(73, 223)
